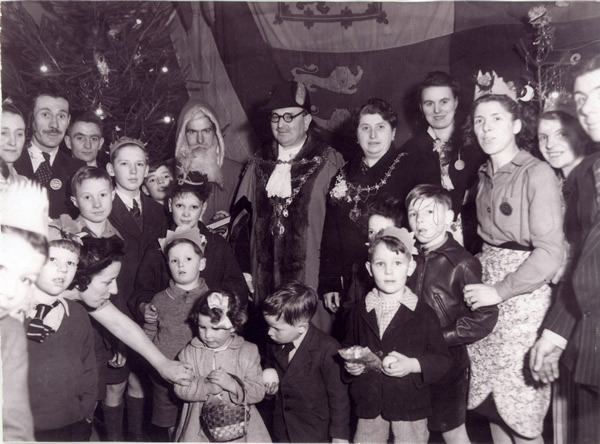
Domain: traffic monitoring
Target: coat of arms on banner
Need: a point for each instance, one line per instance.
(341, 80)
(327, 12)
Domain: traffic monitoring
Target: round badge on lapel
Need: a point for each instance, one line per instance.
(55, 184)
(459, 165)
(506, 209)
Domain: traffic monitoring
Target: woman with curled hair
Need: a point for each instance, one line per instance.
(520, 221)
(377, 168)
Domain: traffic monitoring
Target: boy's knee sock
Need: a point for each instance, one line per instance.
(135, 418)
(113, 421)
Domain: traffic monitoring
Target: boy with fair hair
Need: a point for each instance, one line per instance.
(312, 403)
(93, 194)
(443, 269)
(62, 371)
(395, 325)
(140, 221)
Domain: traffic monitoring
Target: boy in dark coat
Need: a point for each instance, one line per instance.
(312, 402)
(406, 333)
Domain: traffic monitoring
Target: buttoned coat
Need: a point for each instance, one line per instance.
(312, 403)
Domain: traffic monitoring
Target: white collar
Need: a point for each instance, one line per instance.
(289, 152)
(128, 200)
(36, 153)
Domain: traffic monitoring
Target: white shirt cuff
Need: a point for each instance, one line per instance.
(555, 339)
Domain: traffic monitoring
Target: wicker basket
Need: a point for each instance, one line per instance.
(223, 421)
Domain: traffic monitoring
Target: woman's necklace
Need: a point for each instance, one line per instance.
(359, 193)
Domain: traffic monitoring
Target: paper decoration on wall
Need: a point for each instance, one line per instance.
(327, 12)
(341, 80)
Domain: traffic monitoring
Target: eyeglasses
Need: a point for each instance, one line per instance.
(287, 117)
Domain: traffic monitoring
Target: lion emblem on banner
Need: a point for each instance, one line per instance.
(341, 80)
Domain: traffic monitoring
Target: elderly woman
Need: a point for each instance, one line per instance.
(377, 170)
(200, 147)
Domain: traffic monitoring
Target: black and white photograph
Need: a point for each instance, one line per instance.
(300, 222)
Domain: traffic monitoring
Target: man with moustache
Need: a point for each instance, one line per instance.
(200, 147)
(84, 139)
(572, 326)
(44, 162)
(287, 185)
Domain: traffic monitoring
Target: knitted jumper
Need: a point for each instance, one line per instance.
(172, 331)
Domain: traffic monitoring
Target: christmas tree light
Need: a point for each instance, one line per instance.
(118, 54)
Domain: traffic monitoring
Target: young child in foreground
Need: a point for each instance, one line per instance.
(62, 363)
(166, 316)
(395, 325)
(215, 353)
(312, 402)
(444, 267)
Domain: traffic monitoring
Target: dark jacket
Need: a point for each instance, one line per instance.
(222, 271)
(438, 280)
(62, 372)
(344, 239)
(576, 312)
(59, 190)
(136, 244)
(415, 334)
(312, 403)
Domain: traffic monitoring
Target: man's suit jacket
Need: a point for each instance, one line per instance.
(63, 168)
(312, 404)
(576, 313)
(136, 243)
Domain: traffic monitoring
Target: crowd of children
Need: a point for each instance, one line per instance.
(136, 306)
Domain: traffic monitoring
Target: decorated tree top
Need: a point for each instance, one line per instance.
(114, 58)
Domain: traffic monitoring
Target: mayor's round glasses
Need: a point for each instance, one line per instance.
(287, 117)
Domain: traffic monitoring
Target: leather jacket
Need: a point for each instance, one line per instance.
(439, 279)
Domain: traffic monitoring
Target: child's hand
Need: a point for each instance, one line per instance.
(118, 360)
(354, 368)
(398, 365)
(271, 388)
(481, 295)
(213, 389)
(223, 380)
(150, 314)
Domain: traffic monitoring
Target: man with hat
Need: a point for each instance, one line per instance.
(43, 161)
(287, 184)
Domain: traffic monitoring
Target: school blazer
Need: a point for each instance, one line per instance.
(63, 169)
(136, 243)
(312, 404)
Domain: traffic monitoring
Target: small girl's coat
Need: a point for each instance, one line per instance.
(242, 359)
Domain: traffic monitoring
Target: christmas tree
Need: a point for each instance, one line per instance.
(115, 58)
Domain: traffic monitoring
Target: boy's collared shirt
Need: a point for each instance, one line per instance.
(109, 228)
(385, 310)
(55, 316)
(128, 200)
(35, 154)
(296, 343)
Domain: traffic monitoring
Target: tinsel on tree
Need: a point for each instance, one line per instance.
(114, 58)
